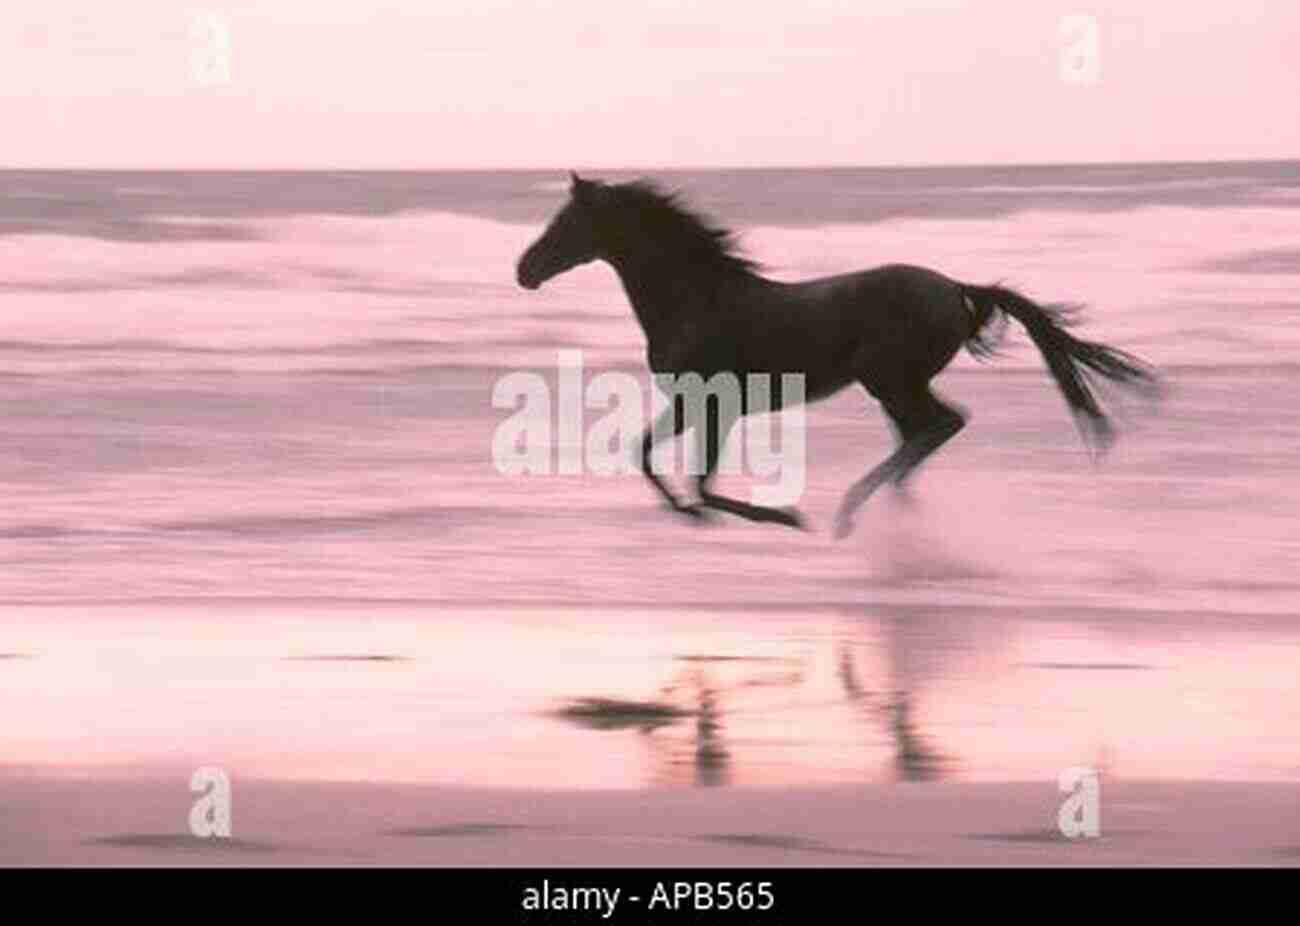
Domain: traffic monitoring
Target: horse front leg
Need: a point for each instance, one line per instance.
(716, 429)
(667, 426)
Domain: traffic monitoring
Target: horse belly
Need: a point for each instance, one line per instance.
(814, 352)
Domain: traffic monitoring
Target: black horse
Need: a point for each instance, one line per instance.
(705, 309)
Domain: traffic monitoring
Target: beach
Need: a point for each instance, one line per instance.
(253, 522)
(131, 821)
(369, 733)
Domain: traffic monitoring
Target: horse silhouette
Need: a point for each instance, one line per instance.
(707, 309)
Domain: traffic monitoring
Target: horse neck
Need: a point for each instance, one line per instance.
(665, 289)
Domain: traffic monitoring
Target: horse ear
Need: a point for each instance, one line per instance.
(582, 189)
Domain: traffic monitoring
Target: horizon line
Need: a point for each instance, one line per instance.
(955, 165)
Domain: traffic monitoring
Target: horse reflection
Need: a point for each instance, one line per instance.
(915, 759)
(701, 758)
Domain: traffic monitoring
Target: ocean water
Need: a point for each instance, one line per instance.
(280, 384)
(277, 387)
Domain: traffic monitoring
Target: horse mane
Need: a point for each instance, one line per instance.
(664, 218)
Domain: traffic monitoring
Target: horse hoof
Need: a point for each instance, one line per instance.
(790, 517)
(697, 513)
(843, 526)
(904, 498)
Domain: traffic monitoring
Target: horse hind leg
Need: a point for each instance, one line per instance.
(948, 418)
(924, 423)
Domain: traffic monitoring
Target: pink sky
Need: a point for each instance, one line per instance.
(516, 83)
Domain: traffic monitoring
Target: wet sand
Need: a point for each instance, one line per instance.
(402, 733)
(630, 698)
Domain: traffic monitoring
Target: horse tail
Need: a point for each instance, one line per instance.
(1073, 362)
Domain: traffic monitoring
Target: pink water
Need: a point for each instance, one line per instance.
(292, 409)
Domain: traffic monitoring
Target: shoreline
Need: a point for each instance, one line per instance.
(705, 696)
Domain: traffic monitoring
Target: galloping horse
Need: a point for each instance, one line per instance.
(705, 309)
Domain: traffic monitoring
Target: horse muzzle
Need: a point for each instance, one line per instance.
(528, 274)
(526, 279)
